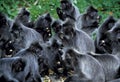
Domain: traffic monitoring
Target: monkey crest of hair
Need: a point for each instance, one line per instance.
(67, 0)
(3, 19)
(90, 9)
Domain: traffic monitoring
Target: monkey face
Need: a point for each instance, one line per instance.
(103, 41)
(24, 15)
(66, 10)
(43, 26)
(93, 20)
(56, 26)
(5, 36)
(55, 47)
(66, 33)
(91, 17)
(35, 48)
(44, 21)
(8, 49)
(18, 66)
(105, 44)
(52, 57)
(70, 59)
(11, 67)
(65, 5)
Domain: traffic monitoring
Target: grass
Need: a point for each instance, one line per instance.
(38, 7)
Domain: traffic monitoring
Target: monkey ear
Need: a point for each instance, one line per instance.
(18, 65)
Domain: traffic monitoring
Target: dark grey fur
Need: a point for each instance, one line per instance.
(67, 10)
(78, 39)
(102, 42)
(85, 67)
(88, 21)
(23, 37)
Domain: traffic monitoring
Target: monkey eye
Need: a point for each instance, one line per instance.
(10, 42)
(103, 41)
(10, 52)
(9, 48)
(47, 28)
(49, 34)
(98, 17)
